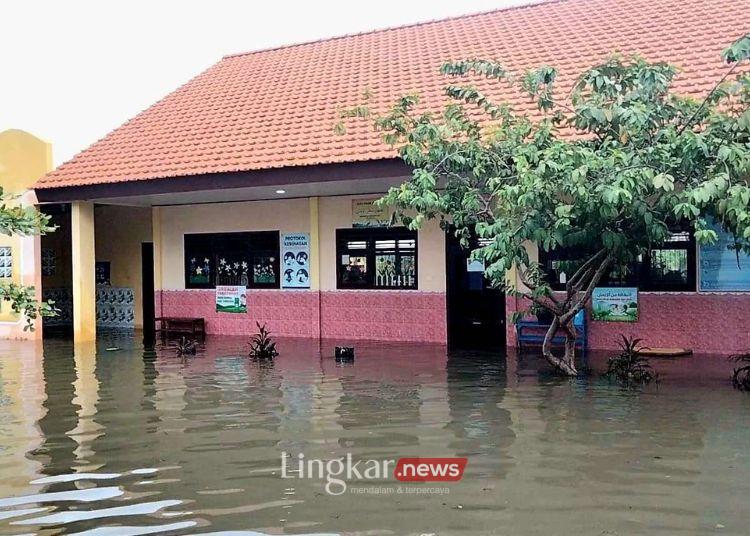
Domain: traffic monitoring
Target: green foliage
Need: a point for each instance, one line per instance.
(22, 301)
(23, 221)
(20, 220)
(261, 345)
(741, 375)
(604, 168)
(629, 368)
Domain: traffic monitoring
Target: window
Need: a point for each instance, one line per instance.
(671, 267)
(247, 259)
(6, 262)
(382, 258)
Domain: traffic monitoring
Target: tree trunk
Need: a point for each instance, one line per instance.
(565, 364)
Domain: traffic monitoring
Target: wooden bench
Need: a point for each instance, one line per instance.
(533, 332)
(168, 325)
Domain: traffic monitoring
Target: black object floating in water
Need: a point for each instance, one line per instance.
(344, 353)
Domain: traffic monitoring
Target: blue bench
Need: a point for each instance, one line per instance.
(532, 332)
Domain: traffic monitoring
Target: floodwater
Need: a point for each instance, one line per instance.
(127, 442)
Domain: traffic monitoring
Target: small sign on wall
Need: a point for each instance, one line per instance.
(231, 299)
(615, 304)
(365, 213)
(295, 260)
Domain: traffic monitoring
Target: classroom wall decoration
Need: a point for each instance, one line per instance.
(231, 299)
(295, 260)
(615, 304)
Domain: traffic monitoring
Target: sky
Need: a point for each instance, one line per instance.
(74, 70)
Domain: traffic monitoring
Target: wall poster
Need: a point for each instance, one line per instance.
(231, 299)
(721, 269)
(615, 304)
(295, 260)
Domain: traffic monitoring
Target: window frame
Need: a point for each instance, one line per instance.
(215, 245)
(640, 275)
(370, 235)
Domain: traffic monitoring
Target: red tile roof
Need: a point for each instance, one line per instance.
(277, 108)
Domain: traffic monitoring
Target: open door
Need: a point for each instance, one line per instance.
(147, 282)
(476, 311)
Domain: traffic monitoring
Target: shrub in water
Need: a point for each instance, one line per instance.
(261, 345)
(741, 375)
(630, 367)
(186, 346)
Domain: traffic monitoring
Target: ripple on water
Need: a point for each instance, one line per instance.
(82, 433)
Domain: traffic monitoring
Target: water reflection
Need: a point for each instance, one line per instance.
(115, 439)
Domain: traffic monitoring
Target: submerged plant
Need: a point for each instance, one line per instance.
(630, 367)
(261, 345)
(741, 375)
(186, 347)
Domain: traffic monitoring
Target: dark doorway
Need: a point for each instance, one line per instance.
(476, 311)
(147, 282)
(57, 271)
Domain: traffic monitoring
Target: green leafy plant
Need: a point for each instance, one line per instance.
(262, 345)
(603, 170)
(741, 375)
(630, 368)
(24, 221)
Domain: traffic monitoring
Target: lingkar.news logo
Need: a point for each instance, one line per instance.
(339, 472)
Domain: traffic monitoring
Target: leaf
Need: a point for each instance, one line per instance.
(737, 51)
(663, 181)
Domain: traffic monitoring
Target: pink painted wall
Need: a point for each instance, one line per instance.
(706, 323)
(286, 313)
(384, 315)
(345, 315)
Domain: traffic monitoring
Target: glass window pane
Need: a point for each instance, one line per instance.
(200, 268)
(385, 271)
(408, 271)
(354, 270)
(385, 244)
(264, 272)
(356, 244)
(232, 269)
(669, 266)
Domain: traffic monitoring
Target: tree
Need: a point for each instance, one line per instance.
(604, 171)
(24, 221)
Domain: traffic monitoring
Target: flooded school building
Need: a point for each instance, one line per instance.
(232, 200)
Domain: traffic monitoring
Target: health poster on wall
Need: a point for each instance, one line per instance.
(365, 213)
(615, 304)
(721, 269)
(295, 260)
(231, 299)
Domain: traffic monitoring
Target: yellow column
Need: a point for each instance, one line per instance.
(83, 259)
(314, 245)
(156, 232)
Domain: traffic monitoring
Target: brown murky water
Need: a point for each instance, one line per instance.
(128, 442)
